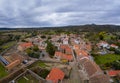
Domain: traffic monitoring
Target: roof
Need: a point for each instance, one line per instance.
(55, 75)
(63, 46)
(81, 52)
(113, 45)
(90, 66)
(88, 47)
(13, 64)
(26, 44)
(67, 48)
(68, 57)
(102, 78)
(76, 46)
(113, 72)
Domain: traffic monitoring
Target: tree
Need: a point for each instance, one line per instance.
(35, 48)
(43, 36)
(50, 48)
(116, 65)
(101, 35)
(29, 51)
(49, 37)
(32, 54)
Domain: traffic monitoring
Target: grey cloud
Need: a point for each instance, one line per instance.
(58, 12)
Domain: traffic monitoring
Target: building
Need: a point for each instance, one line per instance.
(103, 44)
(56, 75)
(114, 46)
(13, 64)
(62, 56)
(65, 41)
(113, 73)
(65, 49)
(24, 46)
(93, 72)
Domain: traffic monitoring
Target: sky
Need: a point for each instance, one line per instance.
(48, 13)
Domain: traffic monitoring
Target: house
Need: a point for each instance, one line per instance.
(82, 53)
(76, 46)
(114, 46)
(62, 56)
(24, 46)
(103, 44)
(13, 64)
(90, 67)
(99, 79)
(65, 41)
(113, 73)
(88, 47)
(65, 49)
(56, 75)
(93, 72)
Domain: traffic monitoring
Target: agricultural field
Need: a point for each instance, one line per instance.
(3, 71)
(39, 64)
(27, 79)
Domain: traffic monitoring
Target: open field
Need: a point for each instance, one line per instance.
(108, 58)
(3, 71)
(7, 45)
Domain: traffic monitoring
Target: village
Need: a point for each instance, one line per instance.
(57, 59)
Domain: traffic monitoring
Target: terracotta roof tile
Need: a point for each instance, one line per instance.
(113, 72)
(55, 75)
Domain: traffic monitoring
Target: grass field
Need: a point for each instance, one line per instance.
(108, 58)
(8, 45)
(3, 72)
(38, 63)
(27, 79)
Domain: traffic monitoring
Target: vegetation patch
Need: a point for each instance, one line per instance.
(106, 59)
(39, 64)
(3, 71)
(27, 79)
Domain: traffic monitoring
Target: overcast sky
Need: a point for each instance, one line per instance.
(16, 13)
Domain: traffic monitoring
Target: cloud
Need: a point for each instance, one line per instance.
(58, 12)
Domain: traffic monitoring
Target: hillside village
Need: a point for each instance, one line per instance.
(63, 58)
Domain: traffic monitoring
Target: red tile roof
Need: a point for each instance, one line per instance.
(113, 72)
(68, 57)
(25, 45)
(113, 45)
(67, 49)
(76, 46)
(55, 75)
(81, 52)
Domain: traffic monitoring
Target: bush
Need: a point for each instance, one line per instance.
(116, 65)
(35, 48)
(43, 36)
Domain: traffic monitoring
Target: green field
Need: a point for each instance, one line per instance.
(108, 58)
(38, 63)
(27, 79)
(8, 45)
(3, 71)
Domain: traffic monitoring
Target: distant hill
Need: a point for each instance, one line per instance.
(6, 28)
(88, 27)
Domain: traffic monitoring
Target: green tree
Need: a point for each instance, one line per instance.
(116, 65)
(101, 35)
(35, 48)
(43, 36)
(50, 48)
